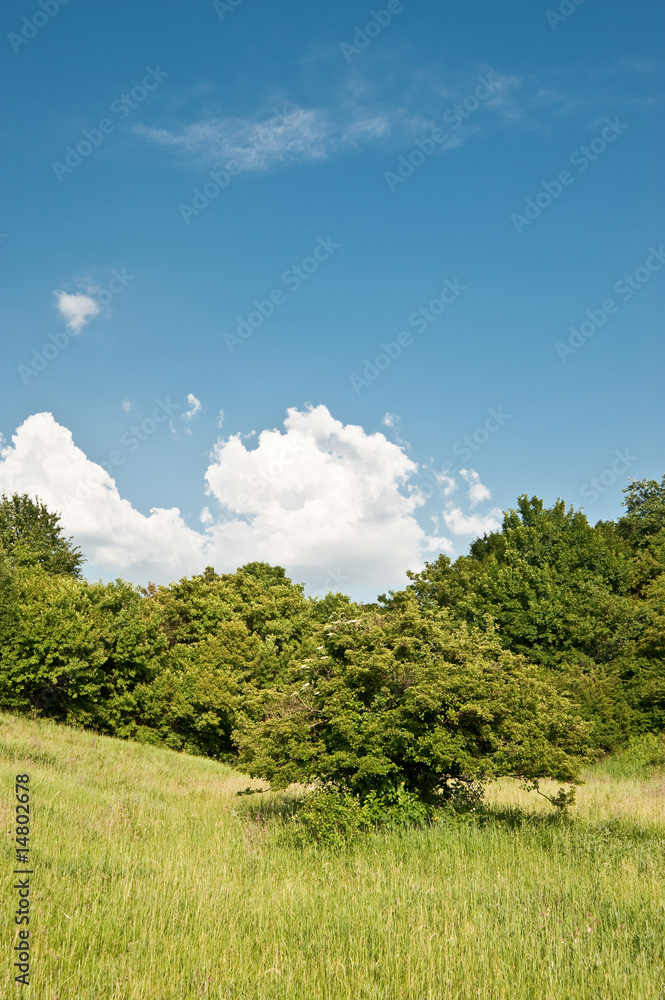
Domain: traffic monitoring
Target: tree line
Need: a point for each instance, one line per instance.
(541, 649)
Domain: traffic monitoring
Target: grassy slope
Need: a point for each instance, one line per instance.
(154, 881)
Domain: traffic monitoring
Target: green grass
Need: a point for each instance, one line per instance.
(154, 880)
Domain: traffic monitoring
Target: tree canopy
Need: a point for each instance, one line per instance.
(411, 698)
(31, 535)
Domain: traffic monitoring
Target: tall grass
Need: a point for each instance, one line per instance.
(154, 880)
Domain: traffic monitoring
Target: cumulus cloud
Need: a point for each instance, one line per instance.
(322, 496)
(329, 502)
(76, 309)
(472, 524)
(326, 500)
(477, 492)
(44, 461)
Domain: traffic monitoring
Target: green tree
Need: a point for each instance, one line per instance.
(645, 511)
(228, 636)
(192, 703)
(31, 535)
(643, 528)
(561, 593)
(410, 699)
(77, 652)
(332, 607)
(260, 596)
(5, 579)
(556, 586)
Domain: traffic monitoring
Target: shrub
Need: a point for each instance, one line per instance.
(330, 817)
(409, 699)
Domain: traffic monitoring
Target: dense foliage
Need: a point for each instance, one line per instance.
(584, 601)
(30, 535)
(411, 699)
(543, 646)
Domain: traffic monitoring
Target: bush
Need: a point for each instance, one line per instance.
(77, 652)
(394, 809)
(401, 706)
(331, 817)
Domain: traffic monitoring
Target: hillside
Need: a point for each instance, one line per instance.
(152, 879)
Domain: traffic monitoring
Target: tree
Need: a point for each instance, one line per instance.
(76, 651)
(561, 592)
(643, 528)
(584, 601)
(260, 596)
(228, 636)
(31, 535)
(645, 511)
(556, 586)
(5, 578)
(410, 699)
(269, 576)
(192, 704)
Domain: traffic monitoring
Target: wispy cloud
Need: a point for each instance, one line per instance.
(292, 135)
(194, 409)
(505, 102)
(386, 113)
(363, 107)
(297, 134)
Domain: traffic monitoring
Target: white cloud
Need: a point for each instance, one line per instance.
(76, 309)
(220, 419)
(126, 405)
(477, 492)
(448, 483)
(320, 498)
(43, 460)
(195, 408)
(390, 419)
(359, 114)
(368, 130)
(472, 524)
(504, 101)
(322, 495)
(292, 135)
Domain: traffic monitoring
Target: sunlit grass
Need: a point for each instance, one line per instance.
(154, 880)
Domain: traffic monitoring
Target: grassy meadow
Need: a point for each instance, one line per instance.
(154, 880)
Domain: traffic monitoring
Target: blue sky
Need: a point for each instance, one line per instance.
(478, 180)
